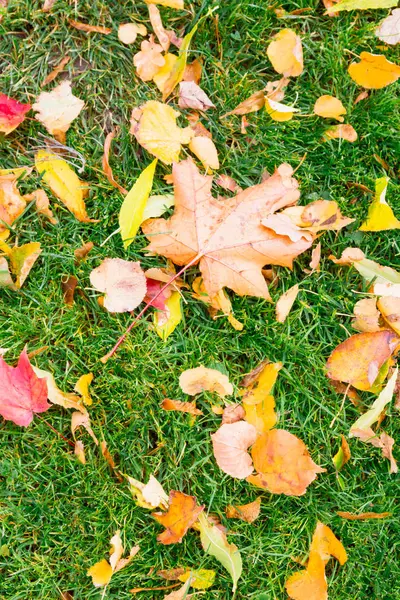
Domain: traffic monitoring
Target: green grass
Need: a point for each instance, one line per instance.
(56, 515)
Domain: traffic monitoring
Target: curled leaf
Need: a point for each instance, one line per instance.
(106, 164)
(87, 28)
(150, 495)
(200, 379)
(246, 512)
(329, 107)
(343, 455)
(230, 445)
(176, 405)
(82, 387)
(380, 215)
(279, 112)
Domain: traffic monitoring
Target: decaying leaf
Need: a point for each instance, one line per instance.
(133, 206)
(82, 252)
(68, 286)
(361, 5)
(12, 204)
(255, 102)
(214, 542)
(285, 303)
(57, 70)
(102, 571)
(200, 579)
(149, 60)
(389, 307)
(63, 182)
(286, 53)
(380, 215)
(233, 413)
(22, 259)
(389, 30)
(181, 594)
(329, 107)
(82, 419)
(82, 387)
(315, 257)
(245, 512)
(182, 513)
(283, 463)
(128, 32)
(193, 71)
(363, 516)
(366, 315)
(374, 71)
(230, 445)
(154, 126)
(192, 96)
(87, 28)
(79, 452)
(359, 359)
(106, 164)
(123, 283)
(5, 275)
(343, 455)
(342, 132)
(150, 495)
(22, 392)
(200, 379)
(156, 23)
(186, 407)
(372, 415)
(57, 109)
(12, 113)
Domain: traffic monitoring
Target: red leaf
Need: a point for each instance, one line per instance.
(153, 289)
(22, 393)
(12, 113)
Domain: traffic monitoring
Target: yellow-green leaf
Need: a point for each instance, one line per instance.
(372, 415)
(22, 259)
(166, 322)
(371, 270)
(5, 275)
(63, 182)
(361, 5)
(132, 209)
(179, 67)
(200, 579)
(342, 456)
(380, 215)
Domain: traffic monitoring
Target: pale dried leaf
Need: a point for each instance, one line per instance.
(230, 445)
(200, 379)
(122, 281)
(57, 109)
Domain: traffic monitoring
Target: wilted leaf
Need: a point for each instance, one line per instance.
(359, 359)
(149, 60)
(361, 5)
(230, 445)
(57, 109)
(123, 283)
(200, 379)
(55, 395)
(128, 32)
(82, 252)
(68, 286)
(389, 307)
(279, 112)
(380, 215)
(12, 113)
(372, 415)
(343, 132)
(389, 30)
(286, 53)
(82, 387)
(42, 204)
(214, 542)
(363, 516)
(366, 315)
(22, 392)
(285, 303)
(178, 69)
(182, 512)
(12, 204)
(343, 455)
(200, 579)
(22, 259)
(186, 407)
(154, 126)
(283, 463)
(103, 570)
(166, 321)
(245, 512)
(329, 107)
(374, 71)
(63, 182)
(106, 164)
(87, 28)
(132, 209)
(192, 96)
(252, 104)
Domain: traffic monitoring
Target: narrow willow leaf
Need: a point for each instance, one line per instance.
(179, 67)
(372, 415)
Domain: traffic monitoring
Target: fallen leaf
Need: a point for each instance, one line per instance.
(230, 445)
(157, 205)
(349, 256)
(55, 395)
(204, 149)
(200, 579)
(270, 375)
(106, 164)
(156, 130)
(182, 593)
(63, 182)
(254, 103)
(192, 96)
(283, 463)
(285, 303)
(329, 107)
(389, 30)
(366, 315)
(178, 69)
(374, 71)
(102, 571)
(258, 403)
(82, 252)
(110, 461)
(57, 109)
(12, 204)
(359, 359)
(57, 70)
(343, 132)
(193, 71)
(42, 204)
(195, 381)
(82, 419)
(179, 4)
(382, 276)
(149, 60)
(219, 303)
(233, 413)
(380, 215)
(343, 455)
(68, 286)
(48, 5)
(315, 257)
(22, 259)
(361, 96)
(171, 574)
(156, 23)
(82, 387)
(361, 5)
(5, 275)
(182, 512)
(226, 238)
(165, 322)
(286, 54)
(321, 215)
(186, 407)
(128, 32)
(22, 392)
(150, 495)
(372, 415)
(162, 75)
(214, 542)
(389, 307)
(383, 441)
(79, 452)
(279, 112)
(89, 28)
(123, 283)
(227, 183)
(12, 113)
(132, 209)
(246, 512)
(363, 516)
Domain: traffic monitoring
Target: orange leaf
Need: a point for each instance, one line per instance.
(186, 407)
(363, 516)
(57, 70)
(182, 513)
(255, 102)
(105, 161)
(285, 303)
(389, 307)
(286, 53)
(374, 71)
(326, 544)
(245, 512)
(343, 132)
(195, 381)
(89, 28)
(329, 107)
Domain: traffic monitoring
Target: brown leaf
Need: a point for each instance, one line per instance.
(363, 516)
(227, 239)
(192, 96)
(122, 281)
(227, 183)
(233, 413)
(171, 574)
(361, 96)
(255, 102)
(89, 28)
(57, 70)
(176, 405)
(79, 452)
(195, 381)
(150, 589)
(82, 252)
(245, 512)
(254, 375)
(106, 454)
(68, 285)
(105, 161)
(193, 71)
(183, 511)
(230, 444)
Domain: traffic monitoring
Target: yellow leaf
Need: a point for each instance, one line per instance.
(329, 107)
(286, 53)
(361, 5)
(258, 402)
(162, 75)
(278, 111)
(374, 71)
(82, 387)
(205, 150)
(166, 324)
(132, 209)
(22, 259)
(262, 415)
(63, 182)
(179, 4)
(178, 68)
(200, 580)
(380, 215)
(100, 573)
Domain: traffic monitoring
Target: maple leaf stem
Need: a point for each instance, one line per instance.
(56, 431)
(105, 358)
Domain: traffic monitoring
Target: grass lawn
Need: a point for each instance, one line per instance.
(57, 515)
